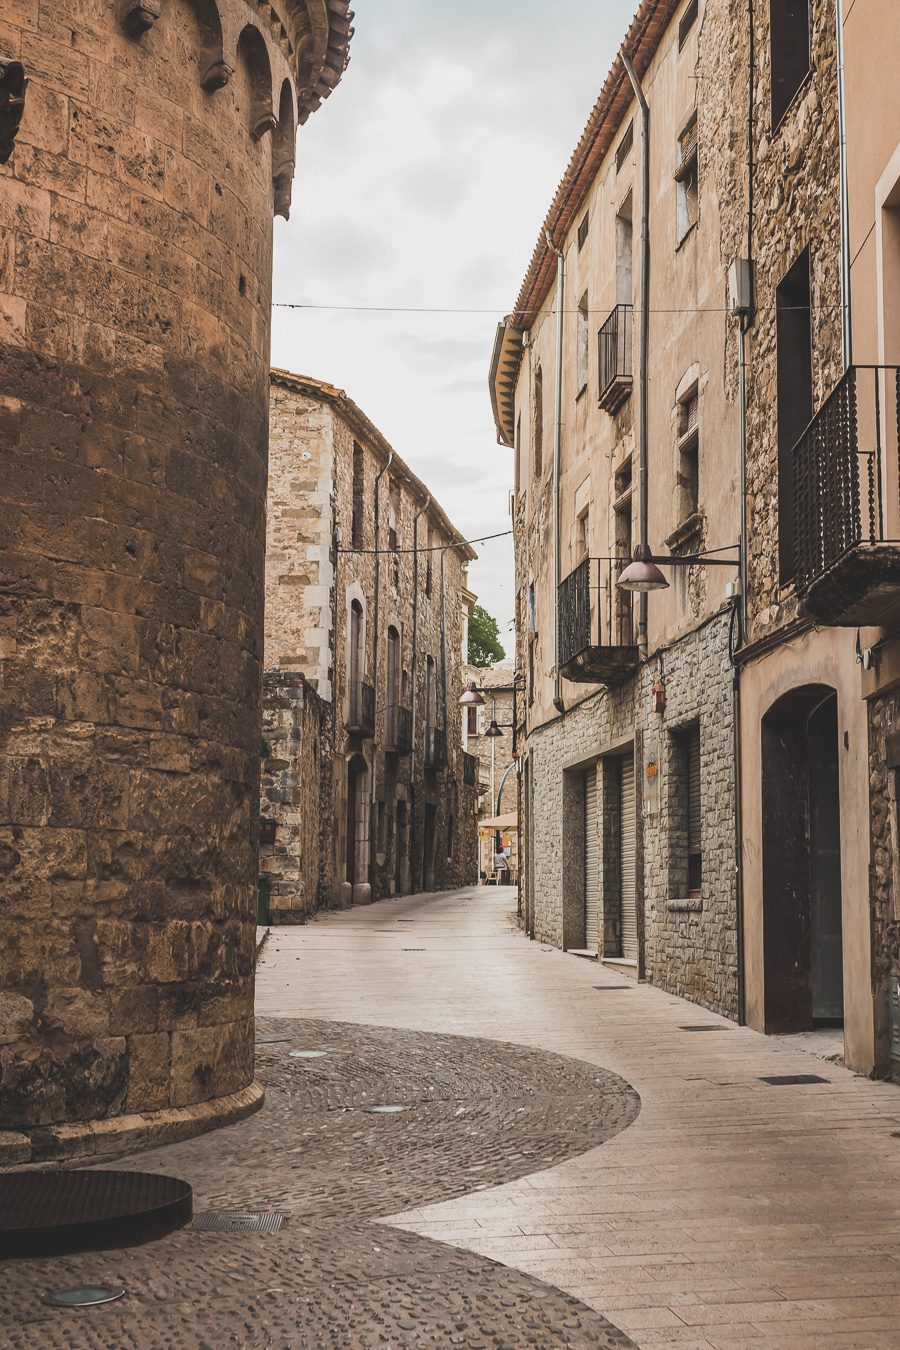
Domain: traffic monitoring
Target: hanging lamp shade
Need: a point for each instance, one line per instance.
(642, 573)
(493, 730)
(472, 698)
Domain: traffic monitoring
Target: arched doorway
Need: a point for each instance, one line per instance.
(801, 832)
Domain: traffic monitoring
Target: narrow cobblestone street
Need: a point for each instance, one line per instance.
(532, 1198)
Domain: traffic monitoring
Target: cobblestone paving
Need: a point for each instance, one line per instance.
(479, 1113)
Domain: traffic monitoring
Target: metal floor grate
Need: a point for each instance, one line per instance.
(704, 1026)
(791, 1079)
(238, 1221)
(613, 988)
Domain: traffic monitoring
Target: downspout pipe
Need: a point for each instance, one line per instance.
(558, 703)
(847, 325)
(643, 384)
(375, 617)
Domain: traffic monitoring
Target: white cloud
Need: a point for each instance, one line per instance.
(423, 181)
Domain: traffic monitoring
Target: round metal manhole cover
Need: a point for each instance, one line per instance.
(386, 1110)
(51, 1213)
(307, 1054)
(84, 1296)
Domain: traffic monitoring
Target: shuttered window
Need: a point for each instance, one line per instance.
(695, 854)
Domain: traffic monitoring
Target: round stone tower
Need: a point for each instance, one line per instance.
(144, 145)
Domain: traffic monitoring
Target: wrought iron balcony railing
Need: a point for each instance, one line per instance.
(362, 709)
(435, 749)
(614, 357)
(402, 743)
(596, 625)
(846, 513)
(470, 769)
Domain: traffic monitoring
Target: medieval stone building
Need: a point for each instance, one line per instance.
(135, 272)
(366, 788)
(758, 846)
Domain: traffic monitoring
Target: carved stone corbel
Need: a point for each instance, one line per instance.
(13, 86)
(282, 185)
(139, 15)
(216, 76)
(265, 123)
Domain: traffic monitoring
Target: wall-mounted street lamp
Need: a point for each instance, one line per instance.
(472, 697)
(643, 572)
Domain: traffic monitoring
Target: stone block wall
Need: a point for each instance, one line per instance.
(293, 801)
(688, 945)
(884, 871)
(135, 290)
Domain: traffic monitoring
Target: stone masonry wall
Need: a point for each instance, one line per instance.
(688, 945)
(311, 588)
(797, 196)
(135, 289)
(296, 742)
(884, 722)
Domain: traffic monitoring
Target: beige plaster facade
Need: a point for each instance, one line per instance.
(583, 735)
(366, 609)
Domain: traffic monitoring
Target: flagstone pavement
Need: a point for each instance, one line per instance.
(730, 1214)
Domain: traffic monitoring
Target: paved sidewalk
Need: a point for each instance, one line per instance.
(731, 1213)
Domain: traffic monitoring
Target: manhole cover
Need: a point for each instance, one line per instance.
(307, 1054)
(238, 1221)
(51, 1213)
(84, 1296)
(386, 1110)
(791, 1079)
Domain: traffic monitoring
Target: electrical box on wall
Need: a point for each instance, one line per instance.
(740, 286)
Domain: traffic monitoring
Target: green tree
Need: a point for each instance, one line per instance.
(484, 639)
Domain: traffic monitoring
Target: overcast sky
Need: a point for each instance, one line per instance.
(423, 182)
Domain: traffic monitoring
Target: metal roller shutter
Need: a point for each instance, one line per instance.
(591, 862)
(627, 832)
(695, 855)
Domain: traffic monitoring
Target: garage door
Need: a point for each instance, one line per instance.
(628, 889)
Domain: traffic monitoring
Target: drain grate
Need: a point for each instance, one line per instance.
(239, 1221)
(791, 1079)
(612, 988)
(270, 1040)
(704, 1026)
(412, 949)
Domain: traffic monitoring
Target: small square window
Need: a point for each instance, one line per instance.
(624, 148)
(583, 231)
(688, 19)
(582, 534)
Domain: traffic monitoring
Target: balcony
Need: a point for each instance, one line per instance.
(596, 626)
(470, 769)
(846, 517)
(614, 357)
(362, 710)
(435, 749)
(400, 731)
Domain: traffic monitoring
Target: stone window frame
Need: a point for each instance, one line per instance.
(687, 180)
(680, 895)
(582, 345)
